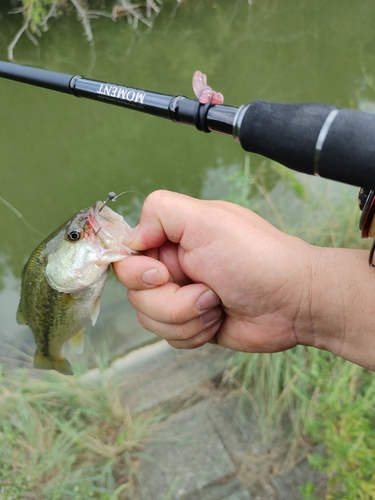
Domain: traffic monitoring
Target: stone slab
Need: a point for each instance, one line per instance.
(241, 495)
(223, 490)
(185, 457)
(158, 373)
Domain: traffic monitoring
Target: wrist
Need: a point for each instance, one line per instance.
(341, 304)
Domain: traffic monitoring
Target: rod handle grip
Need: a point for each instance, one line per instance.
(337, 144)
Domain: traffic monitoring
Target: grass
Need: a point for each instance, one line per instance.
(344, 421)
(37, 13)
(60, 439)
(305, 393)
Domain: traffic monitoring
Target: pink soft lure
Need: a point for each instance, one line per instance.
(204, 92)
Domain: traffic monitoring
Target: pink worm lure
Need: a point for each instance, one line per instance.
(203, 91)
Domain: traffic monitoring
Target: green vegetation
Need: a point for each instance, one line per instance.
(62, 439)
(37, 13)
(318, 397)
(344, 421)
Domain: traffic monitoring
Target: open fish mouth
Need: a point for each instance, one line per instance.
(109, 230)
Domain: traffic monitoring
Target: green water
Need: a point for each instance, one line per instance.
(59, 153)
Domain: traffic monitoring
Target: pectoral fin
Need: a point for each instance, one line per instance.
(61, 365)
(21, 320)
(77, 342)
(95, 312)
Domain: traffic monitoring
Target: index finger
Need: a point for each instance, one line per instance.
(164, 217)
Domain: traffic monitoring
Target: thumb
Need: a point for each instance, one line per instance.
(163, 217)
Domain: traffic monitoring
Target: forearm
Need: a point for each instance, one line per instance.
(342, 304)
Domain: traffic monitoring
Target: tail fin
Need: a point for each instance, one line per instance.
(61, 365)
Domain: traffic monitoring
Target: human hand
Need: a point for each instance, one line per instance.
(213, 271)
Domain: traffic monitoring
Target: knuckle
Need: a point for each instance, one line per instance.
(178, 316)
(142, 319)
(156, 198)
(132, 295)
(196, 342)
(176, 345)
(184, 332)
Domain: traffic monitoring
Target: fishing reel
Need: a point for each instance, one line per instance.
(366, 203)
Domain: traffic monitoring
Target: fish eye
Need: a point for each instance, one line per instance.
(74, 235)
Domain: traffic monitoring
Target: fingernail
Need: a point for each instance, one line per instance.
(210, 315)
(152, 277)
(207, 300)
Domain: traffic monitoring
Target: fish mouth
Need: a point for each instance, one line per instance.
(109, 229)
(95, 221)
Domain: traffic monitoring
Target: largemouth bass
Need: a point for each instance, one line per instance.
(63, 280)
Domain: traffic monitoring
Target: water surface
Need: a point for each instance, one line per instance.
(59, 153)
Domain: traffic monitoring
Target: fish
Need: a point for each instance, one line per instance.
(63, 280)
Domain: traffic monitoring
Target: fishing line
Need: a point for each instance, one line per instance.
(20, 216)
(112, 196)
(131, 191)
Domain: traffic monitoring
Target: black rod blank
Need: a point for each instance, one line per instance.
(35, 76)
(307, 137)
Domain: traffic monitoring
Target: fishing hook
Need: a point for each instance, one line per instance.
(111, 197)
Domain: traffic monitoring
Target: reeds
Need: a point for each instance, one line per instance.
(62, 439)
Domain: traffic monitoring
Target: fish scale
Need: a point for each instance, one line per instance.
(55, 304)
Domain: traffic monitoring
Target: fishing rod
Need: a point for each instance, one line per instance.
(316, 139)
